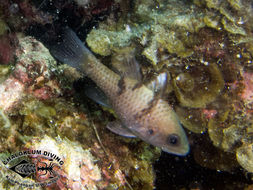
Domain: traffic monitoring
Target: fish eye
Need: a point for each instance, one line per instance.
(173, 139)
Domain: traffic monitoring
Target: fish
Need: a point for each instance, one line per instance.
(140, 109)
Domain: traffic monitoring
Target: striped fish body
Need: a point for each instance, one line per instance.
(144, 114)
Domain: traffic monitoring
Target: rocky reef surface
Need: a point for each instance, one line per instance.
(206, 47)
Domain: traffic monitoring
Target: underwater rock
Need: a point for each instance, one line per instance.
(234, 16)
(11, 91)
(5, 129)
(79, 169)
(105, 42)
(34, 73)
(4, 71)
(231, 132)
(224, 136)
(198, 85)
(153, 27)
(173, 26)
(36, 69)
(19, 15)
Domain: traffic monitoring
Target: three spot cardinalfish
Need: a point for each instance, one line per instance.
(141, 111)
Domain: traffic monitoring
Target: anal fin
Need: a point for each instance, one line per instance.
(118, 128)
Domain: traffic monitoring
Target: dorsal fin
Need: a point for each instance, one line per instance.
(70, 50)
(127, 66)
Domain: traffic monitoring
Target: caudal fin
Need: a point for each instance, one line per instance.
(71, 50)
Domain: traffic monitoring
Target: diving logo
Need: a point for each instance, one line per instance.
(43, 166)
(24, 168)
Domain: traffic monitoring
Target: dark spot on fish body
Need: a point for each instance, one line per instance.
(137, 86)
(121, 85)
(147, 110)
(173, 140)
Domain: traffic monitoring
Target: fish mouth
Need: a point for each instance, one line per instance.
(179, 151)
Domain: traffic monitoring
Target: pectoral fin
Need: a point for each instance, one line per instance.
(97, 95)
(118, 128)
